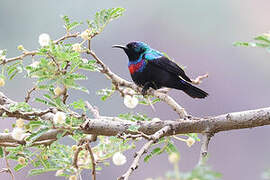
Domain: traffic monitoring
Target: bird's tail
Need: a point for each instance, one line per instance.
(193, 91)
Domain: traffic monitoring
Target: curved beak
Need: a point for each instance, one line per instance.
(119, 46)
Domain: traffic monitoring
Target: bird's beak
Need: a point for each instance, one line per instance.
(119, 46)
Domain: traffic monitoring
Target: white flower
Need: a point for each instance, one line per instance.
(59, 118)
(59, 172)
(131, 101)
(119, 159)
(19, 123)
(34, 64)
(190, 141)
(77, 47)
(2, 82)
(85, 35)
(18, 134)
(174, 158)
(44, 39)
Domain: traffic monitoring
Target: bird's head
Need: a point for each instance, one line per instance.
(134, 49)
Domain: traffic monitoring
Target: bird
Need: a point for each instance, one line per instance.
(150, 68)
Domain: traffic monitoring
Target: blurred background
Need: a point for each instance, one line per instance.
(198, 35)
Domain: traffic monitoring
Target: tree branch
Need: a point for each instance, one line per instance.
(143, 150)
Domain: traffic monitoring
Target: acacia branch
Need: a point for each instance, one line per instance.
(143, 150)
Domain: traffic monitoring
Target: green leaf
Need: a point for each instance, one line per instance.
(1, 152)
(70, 25)
(36, 135)
(80, 104)
(171, 148)
(34, 172)
(154, 152)
(102, 18)
(105, 93)
(19, 166)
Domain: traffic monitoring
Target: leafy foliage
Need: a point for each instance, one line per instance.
(262, 41)
(59, 66)
(102, 18)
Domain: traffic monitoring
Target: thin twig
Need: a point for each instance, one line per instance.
(76, 156)
(8, 165)
(27, 98)
(87, 146)
(199, 79)
(143, 150)
(206, 137)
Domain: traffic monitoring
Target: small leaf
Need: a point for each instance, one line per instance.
(36, 135)
(19, 166)
(1, 152)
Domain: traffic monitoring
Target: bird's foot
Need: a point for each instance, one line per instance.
(144, 91)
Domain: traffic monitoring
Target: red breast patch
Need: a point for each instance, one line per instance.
(135, 67)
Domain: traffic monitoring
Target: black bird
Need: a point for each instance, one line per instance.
(150, 68)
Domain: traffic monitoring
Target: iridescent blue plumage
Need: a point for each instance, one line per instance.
(150, 68)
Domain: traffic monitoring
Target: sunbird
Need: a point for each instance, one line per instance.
(150, 68)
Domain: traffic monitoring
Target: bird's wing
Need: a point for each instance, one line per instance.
(168, 65)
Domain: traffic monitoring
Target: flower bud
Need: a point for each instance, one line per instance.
(20, 48)
(2, 82)
(21, 160)
(74, 147)
(58, 91)
(73, 177)
(45, 157)
(190, 141)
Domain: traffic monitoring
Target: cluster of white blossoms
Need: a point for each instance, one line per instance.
(119, 159)
(174, 158)
(130, 101)
(77, 47)
(35, 64)
(44, 39)
(18, 132)
(59, 118)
